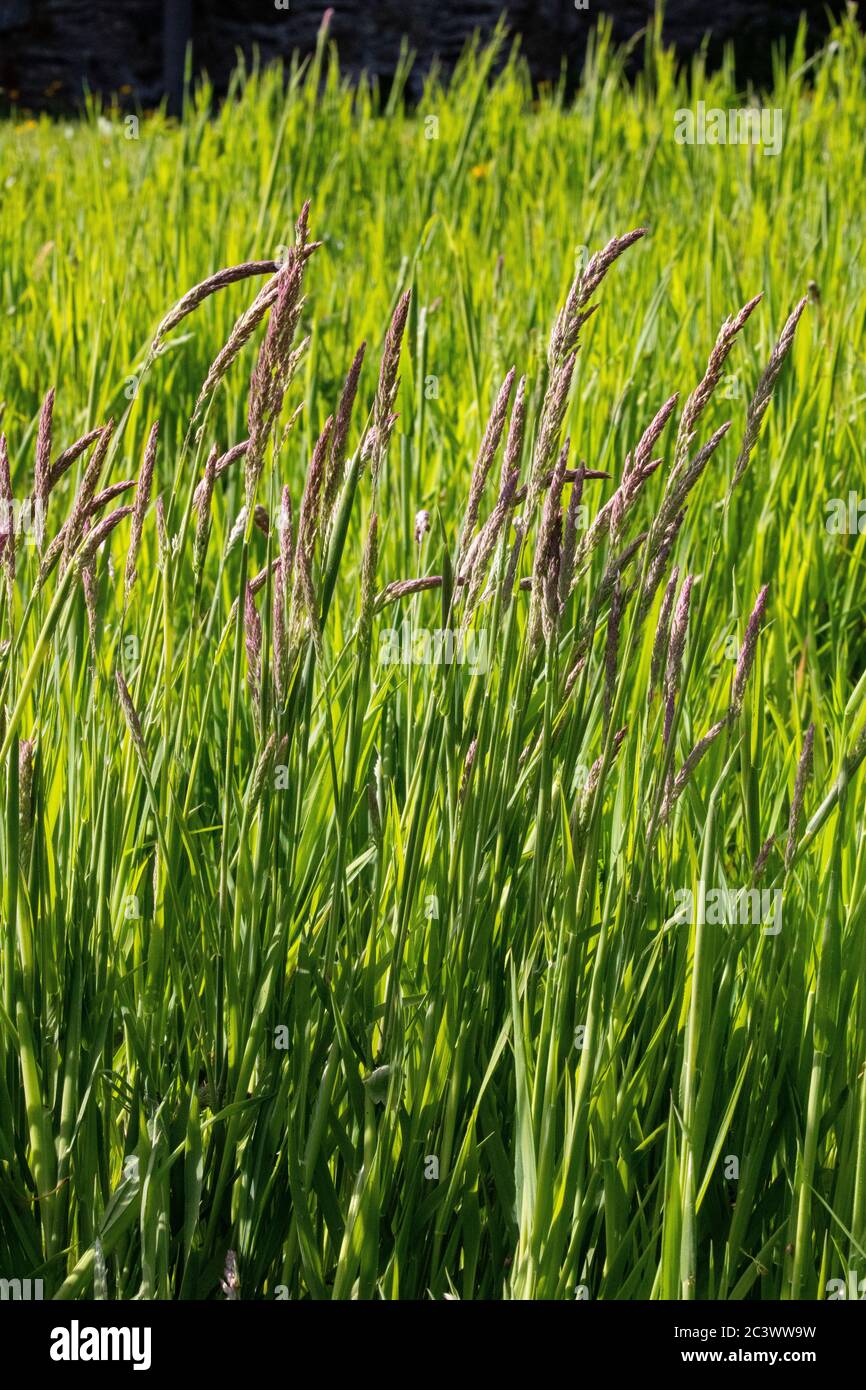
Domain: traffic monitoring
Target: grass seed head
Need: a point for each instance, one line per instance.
(253, 642)
(697, 401)
(574, 313)
(804, 772)
(764, 392)
(129, 713)
(386, 392)
(7, 514)
(25, 800)
(660, 645)
(340, 435)
(484, 462)
(203, 499)
(676, 648)
(196, 296)
(96, 535)
(43, 465)
(140, 505)
(69, 456)
(676, 788)
(86, 490)
(368, 582)
(746, 658)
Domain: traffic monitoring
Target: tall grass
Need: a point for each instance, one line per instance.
(337, 977)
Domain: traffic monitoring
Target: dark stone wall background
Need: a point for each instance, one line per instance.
(50, 48)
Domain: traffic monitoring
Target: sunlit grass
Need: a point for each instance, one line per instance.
(404, 881)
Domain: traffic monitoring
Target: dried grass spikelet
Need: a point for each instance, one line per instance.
(612, 576)
(677, 785)
(760, 863)
(43, 466)
(305, 604)
(574, 313)
(261, 771)
(646, 443)
(96, 535)
(549, 431)
(258, 581)
(253, 644)
(268, 377)
(520, 529)
(638, 468)
(310, 520)
(422, 525)
(202, 501)
(516, 429)
(238, 530)
(230, 1282)
(275, 362)
(84, 496)
(658, 564)
(804, 772)
(379, 435)
(369, 565)
(283, 575)
(287, 543)
(130, 714)
(609, 522)
(256, 584)
(611, 652)
(676, 648)
(7, 515)
(163, 548)
(405, 588)
(477, 557)
(25, 802)
(87, 574)
(65, 460)
(746, 659)
(760, 401)
(339, 437)
(484, 462)
(663, 628)
(279, 635)
(579, 820)
(569, 535)
(243, 329)
(678, 488)
(304, 600)
(697, 401)
(140, 505)
(221, 465)
(229, 276)
(468, 764)
(477, 560)
(541, 476)
(96, 504)
(544, 601)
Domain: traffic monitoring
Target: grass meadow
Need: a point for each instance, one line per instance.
(499, 935)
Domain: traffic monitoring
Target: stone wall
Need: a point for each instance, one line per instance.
(50, 48)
